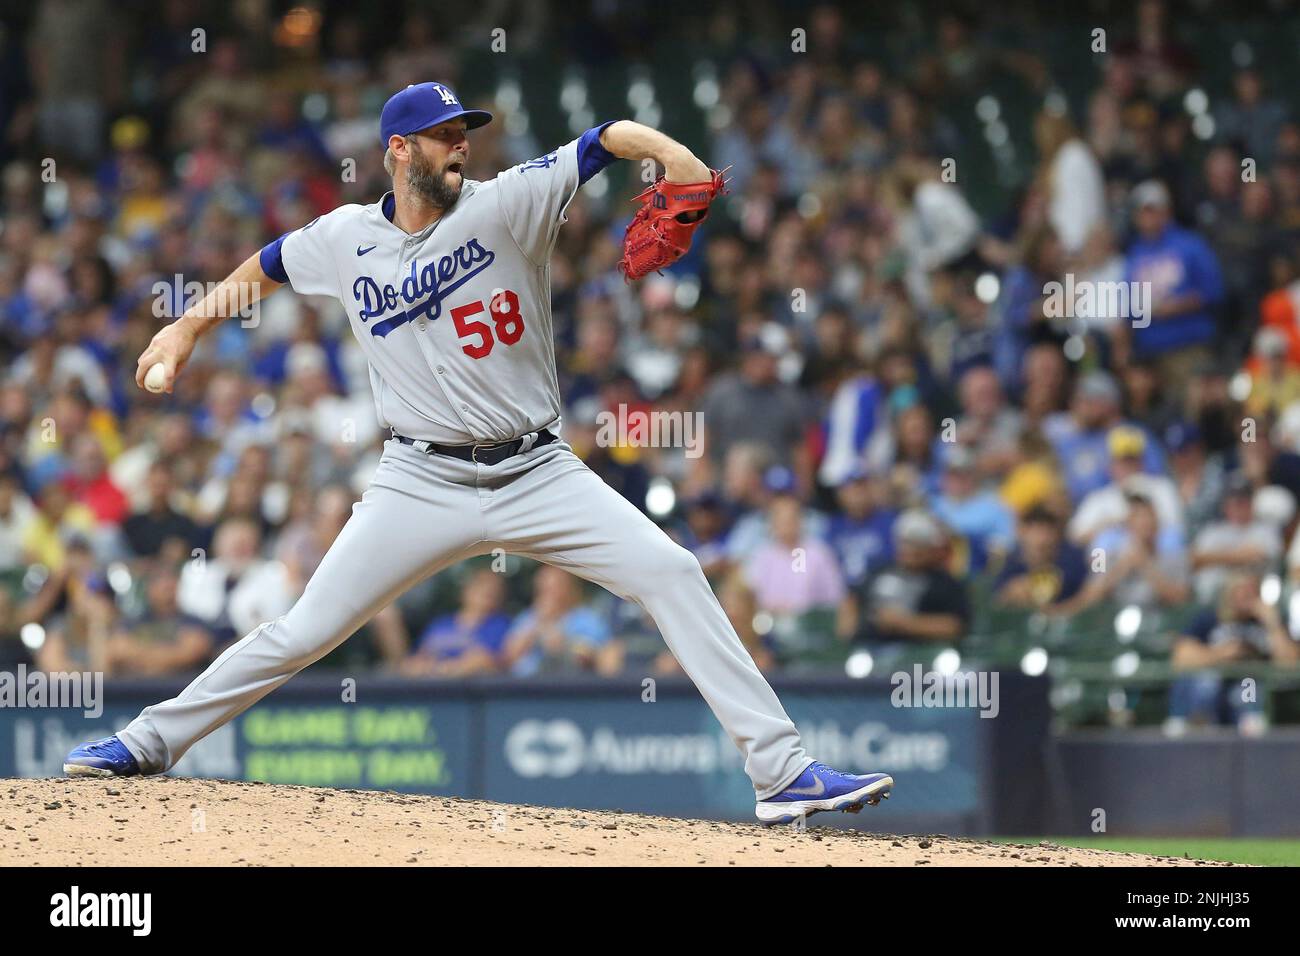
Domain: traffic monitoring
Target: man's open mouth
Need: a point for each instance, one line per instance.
(456, 167)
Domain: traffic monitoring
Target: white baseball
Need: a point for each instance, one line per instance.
(156, 378)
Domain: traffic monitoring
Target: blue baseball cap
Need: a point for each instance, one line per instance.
(858, 472)
(422, 105)
(779, 480)
(1182, 435)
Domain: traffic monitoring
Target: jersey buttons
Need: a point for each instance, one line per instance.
(441, 370)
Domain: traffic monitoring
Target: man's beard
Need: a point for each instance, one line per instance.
(429, 186)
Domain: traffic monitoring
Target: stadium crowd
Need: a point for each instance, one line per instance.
(904, 419)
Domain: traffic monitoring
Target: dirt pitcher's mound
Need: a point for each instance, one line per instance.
(171, 821)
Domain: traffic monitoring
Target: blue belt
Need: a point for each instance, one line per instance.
(492, 453)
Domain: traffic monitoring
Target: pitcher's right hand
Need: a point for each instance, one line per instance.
(172, 346)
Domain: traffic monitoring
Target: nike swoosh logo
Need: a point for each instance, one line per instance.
(809, 791)
(362, 252)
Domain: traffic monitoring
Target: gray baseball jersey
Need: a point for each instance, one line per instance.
(455, 320)
(456, 323)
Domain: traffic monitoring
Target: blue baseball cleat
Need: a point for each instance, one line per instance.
(820, 788)
(101, 758)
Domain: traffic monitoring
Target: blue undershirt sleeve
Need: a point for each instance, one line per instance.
(592, 156)
(272, 260)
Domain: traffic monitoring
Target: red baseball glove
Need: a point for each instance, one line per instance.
(661, 231)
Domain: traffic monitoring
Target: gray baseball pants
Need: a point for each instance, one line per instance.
(423, 513)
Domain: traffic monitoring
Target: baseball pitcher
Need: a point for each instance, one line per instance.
(446, 282)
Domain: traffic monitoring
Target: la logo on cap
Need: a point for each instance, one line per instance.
(448, 97)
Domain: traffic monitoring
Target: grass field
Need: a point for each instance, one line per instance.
(1254, 851)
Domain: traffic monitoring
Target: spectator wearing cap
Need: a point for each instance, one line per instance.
(1275, 384)
(1044, 569)
(1200, 477)
(1144, 565)
(753, 529)
(985, 524)
(1107, 507)
(703, 532)
(1238, 542)
(585, 430)
(1080, 436)
(1182, 273)
(754, 405)
(861, 531)
(914, 600)
(1240, 627)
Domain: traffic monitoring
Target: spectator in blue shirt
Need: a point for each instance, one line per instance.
(1021, 321)
(861, 534)
(976, 515)
(704, 532)
(1080, 436)
(1185, 285)
(558, 635)
(470, 640)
